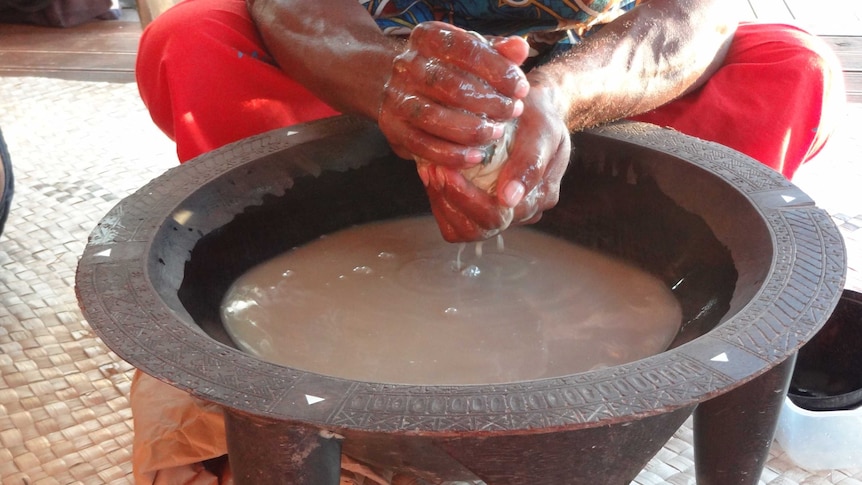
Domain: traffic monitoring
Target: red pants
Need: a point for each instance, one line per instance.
(207, 80)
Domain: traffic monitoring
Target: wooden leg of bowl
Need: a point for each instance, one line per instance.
(270, 452)
(733, 432)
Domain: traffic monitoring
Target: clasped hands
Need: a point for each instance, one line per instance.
(447, 101)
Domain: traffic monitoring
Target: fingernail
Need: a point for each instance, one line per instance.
(499, 130)
(522, 88)
(518, 108)
(440, 178)
(475, 156)
(422, 170)
(513, 192)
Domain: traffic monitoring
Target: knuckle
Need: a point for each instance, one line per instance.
(435, 73)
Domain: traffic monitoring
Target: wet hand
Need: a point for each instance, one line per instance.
(450, 93)
(463, 211)
(530, 180)
(528, 184)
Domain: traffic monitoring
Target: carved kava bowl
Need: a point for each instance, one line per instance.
(755, 265)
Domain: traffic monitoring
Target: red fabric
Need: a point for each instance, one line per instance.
(206, 78)
(776, 98)
(207, 81)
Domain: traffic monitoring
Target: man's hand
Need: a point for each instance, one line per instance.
(645, 58)
(444, 97)
(528, 184)
(450, 94)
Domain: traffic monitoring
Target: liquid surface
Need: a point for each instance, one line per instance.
(390, 302)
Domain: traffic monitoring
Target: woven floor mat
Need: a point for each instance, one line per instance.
(77, 149)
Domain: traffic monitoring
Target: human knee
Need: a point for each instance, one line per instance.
(793, 53)
(824, 72)
(191, 23)
(823, 64)
(191, 43)
(797, 67)
(819, 78)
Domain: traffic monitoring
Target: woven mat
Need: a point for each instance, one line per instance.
(77, 149)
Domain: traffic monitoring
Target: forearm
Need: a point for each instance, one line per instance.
(648, 57)
(333, 47)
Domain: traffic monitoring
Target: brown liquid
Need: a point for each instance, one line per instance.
(386, 302)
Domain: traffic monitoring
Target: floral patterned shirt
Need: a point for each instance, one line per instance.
(549, 25)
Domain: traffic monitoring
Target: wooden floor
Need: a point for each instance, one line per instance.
(104, 50)
(833, 18)
(101, 50)
(840, 25)
(849, 51)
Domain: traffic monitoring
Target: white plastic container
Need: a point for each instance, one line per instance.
(821, 440)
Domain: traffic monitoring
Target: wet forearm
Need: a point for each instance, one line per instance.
(333, 47)
(648, 57)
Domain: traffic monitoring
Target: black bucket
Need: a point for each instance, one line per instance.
(828, 373)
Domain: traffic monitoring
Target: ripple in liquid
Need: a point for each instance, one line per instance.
(392, 302)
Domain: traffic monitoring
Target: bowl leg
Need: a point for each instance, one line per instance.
(733, 432)
(272, 452)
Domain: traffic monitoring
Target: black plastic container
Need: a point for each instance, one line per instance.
(828, 372)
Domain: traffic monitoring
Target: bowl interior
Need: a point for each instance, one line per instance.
(685, 225)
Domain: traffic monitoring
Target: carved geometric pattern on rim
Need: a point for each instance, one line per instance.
(127, 300)
(642, 388)
(723, 161)
(800, 292)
